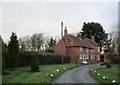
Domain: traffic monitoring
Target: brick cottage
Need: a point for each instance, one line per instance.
(80, 50)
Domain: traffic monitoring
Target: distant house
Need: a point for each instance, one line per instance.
(78, 49)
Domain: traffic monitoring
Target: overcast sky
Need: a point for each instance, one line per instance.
(26, 18)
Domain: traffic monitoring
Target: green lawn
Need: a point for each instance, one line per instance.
(24, 75)
(0, 79)
(106, 75)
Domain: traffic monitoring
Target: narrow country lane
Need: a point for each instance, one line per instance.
(77, 75)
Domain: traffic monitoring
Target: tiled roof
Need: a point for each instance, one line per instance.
(93, 43)
(81, 42)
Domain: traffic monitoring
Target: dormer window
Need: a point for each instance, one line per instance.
(71, 42)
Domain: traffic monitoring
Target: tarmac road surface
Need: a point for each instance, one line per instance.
(77, 76)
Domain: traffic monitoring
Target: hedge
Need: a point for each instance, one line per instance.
(43, 58)
(114, 58)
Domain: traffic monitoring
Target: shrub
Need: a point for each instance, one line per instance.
(34, 64)
(107, 63)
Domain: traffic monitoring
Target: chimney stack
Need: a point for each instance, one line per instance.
(79, 36)
(65, 31)
(93, 38)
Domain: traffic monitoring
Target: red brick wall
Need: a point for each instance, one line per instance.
(60, 48)
(74, 54)
(97, 53)
(86, 54)
(73, 51)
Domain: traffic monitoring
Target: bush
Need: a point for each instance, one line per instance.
(34, 64)
(107, 63)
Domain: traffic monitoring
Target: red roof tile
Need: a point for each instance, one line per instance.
(81, 42)
(93, 43)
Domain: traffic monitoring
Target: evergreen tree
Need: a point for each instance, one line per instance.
(96, 30)
(34, 64)
(13, 50)
(52, 42)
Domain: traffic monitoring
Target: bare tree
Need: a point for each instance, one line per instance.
(36, 42)
(115, 36)
(25, 43)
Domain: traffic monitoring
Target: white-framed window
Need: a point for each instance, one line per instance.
(87, 57)
(91, 57)
(91, 50)
(71, 42)
(98, 57)
(80, 49)
(80, 56)
(83, 56)
(87, 50)
(98, 49)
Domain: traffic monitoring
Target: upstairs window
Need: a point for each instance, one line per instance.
(91, 50)
(87, 50)
(98, 49)
(80, 49)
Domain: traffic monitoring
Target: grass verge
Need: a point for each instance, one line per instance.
(24, 75)
(106, 75)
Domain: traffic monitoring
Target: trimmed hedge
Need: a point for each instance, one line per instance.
(43, 58)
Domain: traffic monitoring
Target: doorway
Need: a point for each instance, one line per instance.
(102, 58)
